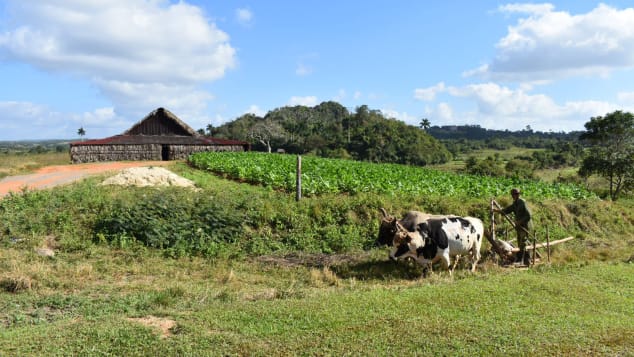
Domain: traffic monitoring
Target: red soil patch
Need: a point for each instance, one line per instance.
(62, 174)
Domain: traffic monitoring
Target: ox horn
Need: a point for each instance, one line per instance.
(385, 215)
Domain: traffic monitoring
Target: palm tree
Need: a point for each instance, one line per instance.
(81, 132)
(425, 124)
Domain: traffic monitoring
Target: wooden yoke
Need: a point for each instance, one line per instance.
(491, 236)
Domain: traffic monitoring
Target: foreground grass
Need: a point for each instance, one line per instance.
(82, 304)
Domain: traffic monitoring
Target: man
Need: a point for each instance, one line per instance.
(523, 223)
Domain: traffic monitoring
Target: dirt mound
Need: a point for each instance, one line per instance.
(148, 176)
(163, 326)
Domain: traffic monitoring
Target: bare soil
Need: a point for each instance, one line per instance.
(163, 326)
(51, 176)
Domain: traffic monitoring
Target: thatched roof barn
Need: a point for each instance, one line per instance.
(159, 136)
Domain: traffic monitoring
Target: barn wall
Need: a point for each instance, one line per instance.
(180, 152)
(95, 153)
(140, 152)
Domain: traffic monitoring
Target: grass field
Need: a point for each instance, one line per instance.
(86, 303)
(123, 298)
(12, 164)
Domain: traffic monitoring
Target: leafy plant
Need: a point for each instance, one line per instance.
(178, 223)
(321, 176)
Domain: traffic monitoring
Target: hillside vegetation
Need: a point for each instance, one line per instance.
(330, 130)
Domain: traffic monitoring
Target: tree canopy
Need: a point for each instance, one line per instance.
(611, 153)
(331, 130)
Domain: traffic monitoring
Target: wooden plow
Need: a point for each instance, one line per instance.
(507, 252)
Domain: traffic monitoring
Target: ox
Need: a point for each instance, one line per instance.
(389, 225)
(440, 239)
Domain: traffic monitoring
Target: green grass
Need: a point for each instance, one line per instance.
(302, 279)
(19, 164)
(367, 307)
(508, 154)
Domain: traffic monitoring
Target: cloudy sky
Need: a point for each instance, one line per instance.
(104, 64)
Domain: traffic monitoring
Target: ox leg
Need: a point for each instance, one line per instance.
(426, 269)
(446, 262)
(454, 264)
(475, 258)
(426, 264)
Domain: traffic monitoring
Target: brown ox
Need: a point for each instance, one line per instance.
(388, 227)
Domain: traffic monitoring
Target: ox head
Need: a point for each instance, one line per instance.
(405, 244)
(387, 229)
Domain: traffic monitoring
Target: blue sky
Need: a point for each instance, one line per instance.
(104, 64)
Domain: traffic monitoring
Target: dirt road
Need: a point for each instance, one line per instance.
(62, 174)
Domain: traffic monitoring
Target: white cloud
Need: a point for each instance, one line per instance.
(341, 95)
(626, 97)
(444, 112)
(98, 117)
(304, 66)
(140, 53)
(308, 101)
(500, 107)
(537, 9)
(548, 44)
(244, 17)
(357, 95)
(138, 99)
(22, 120)
(303, 70)
(254, 109)
(402, 116)
(429, 94)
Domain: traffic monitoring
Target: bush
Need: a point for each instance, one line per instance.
(178, 222)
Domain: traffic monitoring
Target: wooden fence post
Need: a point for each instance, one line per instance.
(298, 179)
(548, 243)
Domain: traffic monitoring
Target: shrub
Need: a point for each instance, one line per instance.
(179, 223)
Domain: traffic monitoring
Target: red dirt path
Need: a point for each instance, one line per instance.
(62, 174)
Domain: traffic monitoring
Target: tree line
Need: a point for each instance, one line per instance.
(330, 130)
(605, 148)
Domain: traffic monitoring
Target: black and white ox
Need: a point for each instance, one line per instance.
(439, 239)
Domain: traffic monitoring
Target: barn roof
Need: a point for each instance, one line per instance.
(160, 127)
(161, 122)
(160, 139)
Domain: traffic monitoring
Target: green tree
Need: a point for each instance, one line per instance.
(81, 132)
(425, 124)
(611, 153)
(491, 166)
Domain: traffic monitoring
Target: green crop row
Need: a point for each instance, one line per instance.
(321, 175)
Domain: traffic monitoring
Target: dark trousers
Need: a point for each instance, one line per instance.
(522, 238)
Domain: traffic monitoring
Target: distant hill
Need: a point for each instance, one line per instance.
(330, 130)
(475, 132)
(34, 146)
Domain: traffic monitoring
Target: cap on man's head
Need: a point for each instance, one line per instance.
(515, 191)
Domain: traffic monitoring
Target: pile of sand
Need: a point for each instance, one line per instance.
(148, 176)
